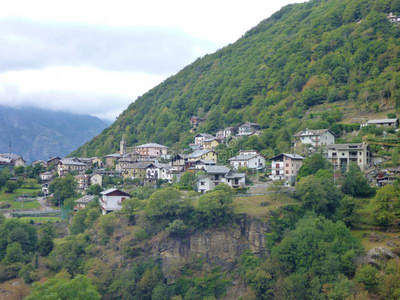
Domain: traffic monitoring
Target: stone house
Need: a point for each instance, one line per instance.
(151, 150)
(202, 155)
(286, 167)
(393, 123)
(248, 129)
(84, 201)
(342, 155)
(67, 165)
(96, 179)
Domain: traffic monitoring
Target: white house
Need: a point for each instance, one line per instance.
(315, 138)
(248, 129)
(216, 175)
(249, 159)
(46, 176)
(111, 200)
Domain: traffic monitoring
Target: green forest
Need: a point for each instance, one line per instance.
(303, 56)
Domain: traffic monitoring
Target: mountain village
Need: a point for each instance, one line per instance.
(247, 172)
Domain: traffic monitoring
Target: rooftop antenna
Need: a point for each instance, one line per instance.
(9, 150)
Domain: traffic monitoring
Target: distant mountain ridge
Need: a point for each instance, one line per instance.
(37, 133)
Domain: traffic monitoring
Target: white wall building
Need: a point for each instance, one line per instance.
(111, 200)
(249, 159)
(315, 138)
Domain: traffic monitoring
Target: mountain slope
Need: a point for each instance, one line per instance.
(303, 56)
(37, 133)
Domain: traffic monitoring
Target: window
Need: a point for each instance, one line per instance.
(277, 166)
(287, 165)
(360, 160)
(287, 171)
(202, 183)
(276, 172)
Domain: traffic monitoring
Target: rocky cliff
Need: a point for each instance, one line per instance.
(221, 247)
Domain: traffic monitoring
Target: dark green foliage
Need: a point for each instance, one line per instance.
(314, 254)
(12, 231)
(318, 193)
(311, 165)
(11, 186)
(28, 274)
(347, 211)
(46, 237)
(386, 205)
(216, 207)
(95, 190)
(84, 219)
(14, 254)
(63, 189)
(355, 183)
(369, 276)
(187, 180)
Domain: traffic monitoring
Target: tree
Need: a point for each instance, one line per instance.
(46, 237)
(312, 194)
(395, 156)
(14, 254)
(95, 189)
(215, 208)
(311, 165)
(63, 288)
(19, 170)
(13, 230)
(276, 187)
(167, 204)
(369, 276)
(63, 188)
(130, 207)
(11, 186)
(187, 180)
(347, 211)
(30, 183)
(386, 202)
(355, 183)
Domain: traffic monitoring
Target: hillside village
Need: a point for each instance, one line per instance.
(268, 170)
(153, 164)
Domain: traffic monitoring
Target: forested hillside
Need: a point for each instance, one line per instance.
(309, 54)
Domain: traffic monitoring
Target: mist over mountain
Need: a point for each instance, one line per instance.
(37, 133)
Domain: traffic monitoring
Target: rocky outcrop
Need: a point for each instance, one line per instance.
(221, 247)
(378, 256)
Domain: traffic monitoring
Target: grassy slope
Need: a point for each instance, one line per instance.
(20, 205)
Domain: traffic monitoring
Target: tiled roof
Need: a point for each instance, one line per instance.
(151, 145)
(86, 199)
(243, 157)
(313, 132)
(198, 153)
(216, 169)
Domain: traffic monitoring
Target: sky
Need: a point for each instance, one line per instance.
(96, 57)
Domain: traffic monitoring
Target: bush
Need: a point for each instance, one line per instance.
(177, 227)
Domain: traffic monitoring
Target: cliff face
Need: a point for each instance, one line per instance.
(221, 247)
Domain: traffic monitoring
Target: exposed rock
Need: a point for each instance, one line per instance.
(379, 255)
(222, 247)
(374, 237)
(391, 244)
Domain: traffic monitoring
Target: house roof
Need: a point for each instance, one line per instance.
(11, 156)
(246, 133)
(151, 145)
(71, 161)
(243, 157)
(205, 135)
(347, 146)
(86, 199)
(198, 153)
(112, 190)
(250, 124)
(116, 155)
(216, 169)
(382, 121)
(233, 175)
(312, 132)
(292, 156)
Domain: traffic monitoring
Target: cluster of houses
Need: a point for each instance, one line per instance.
(151, 162)
(11, 160)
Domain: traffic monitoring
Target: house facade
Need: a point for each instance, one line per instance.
(111, 200)
(315, 138)
(67, 165)
(394, 19)
(394, 123)
(46, 176)
(342, 155)
(210, 143)
(151, 150)
(112, 159)
(83, 182)
(249, 159)
(286, 167)
(84, 201)
(203, 155)
(96, 179)
(14, 159)
(248, 128)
